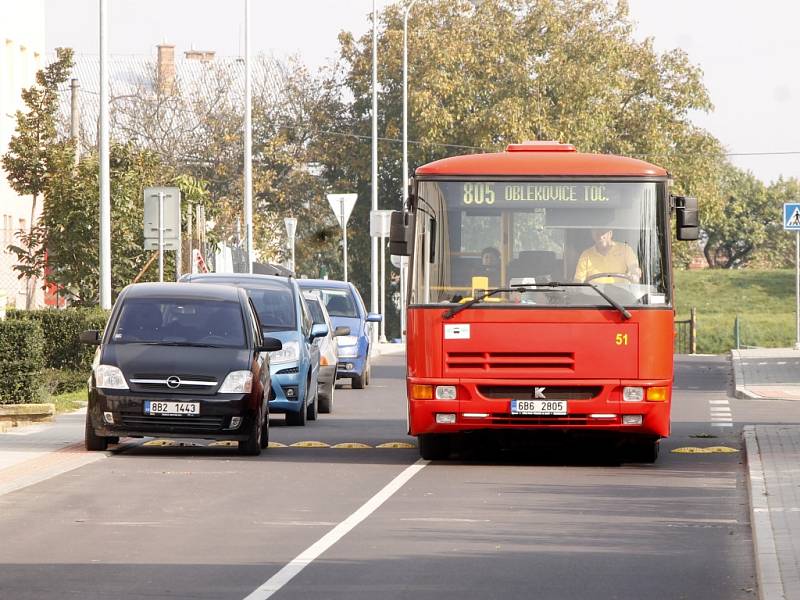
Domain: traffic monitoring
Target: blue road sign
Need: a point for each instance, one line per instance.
(791, 216)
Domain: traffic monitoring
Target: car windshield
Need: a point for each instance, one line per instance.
(180, 321)
(339, 302)
(275, 305)
(316, 310)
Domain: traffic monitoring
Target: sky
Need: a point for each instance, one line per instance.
(747, 50)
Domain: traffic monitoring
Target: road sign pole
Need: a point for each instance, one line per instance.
(797, 289)
(383, 288)
(344, 238)
(161, 236)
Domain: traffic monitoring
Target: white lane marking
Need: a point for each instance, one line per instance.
(722, 424)
(781, 362)
(297, 523)
(725, 402)
(307, 556)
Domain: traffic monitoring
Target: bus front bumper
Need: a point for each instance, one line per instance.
(588, 405)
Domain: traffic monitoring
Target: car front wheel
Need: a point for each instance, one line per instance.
(252, 445)
(92, 441)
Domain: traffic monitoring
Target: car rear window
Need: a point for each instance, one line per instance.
(182, 322)
(339, 302)
(276, 307)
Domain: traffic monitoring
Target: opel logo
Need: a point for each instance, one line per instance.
(173, 382)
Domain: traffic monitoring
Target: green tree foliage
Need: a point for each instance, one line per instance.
(33, 148)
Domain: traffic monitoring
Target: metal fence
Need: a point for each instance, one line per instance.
(686, 334)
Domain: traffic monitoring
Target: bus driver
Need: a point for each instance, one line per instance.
(607, 256)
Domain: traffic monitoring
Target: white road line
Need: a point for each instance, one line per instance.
(725, 402)
(722, 424)
(307, 556)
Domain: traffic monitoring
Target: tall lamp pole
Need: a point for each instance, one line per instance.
(374, 255)
(248, 142)
(105, 180)
(404, 178)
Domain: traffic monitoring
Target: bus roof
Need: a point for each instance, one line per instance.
(542, 158)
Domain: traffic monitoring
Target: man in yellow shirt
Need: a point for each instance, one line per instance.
(607, 256)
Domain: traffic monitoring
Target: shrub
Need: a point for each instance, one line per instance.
(62, 381)
(21, 361)
(61, 329)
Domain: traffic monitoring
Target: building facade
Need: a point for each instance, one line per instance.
(22, 54)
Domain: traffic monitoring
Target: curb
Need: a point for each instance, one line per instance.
(20, 415)
(768, 573)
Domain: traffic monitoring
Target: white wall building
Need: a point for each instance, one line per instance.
(22, 49)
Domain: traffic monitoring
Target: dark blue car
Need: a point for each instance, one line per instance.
(346, 309)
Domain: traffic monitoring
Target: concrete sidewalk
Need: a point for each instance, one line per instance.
(773, 469)
(767, 373)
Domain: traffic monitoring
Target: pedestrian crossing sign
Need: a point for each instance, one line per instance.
(791, 216)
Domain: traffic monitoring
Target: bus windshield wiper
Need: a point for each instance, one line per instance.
(556, 284)
(550, 286)
(449, 314)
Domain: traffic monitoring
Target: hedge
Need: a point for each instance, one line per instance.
(21, 361)
(61, 329)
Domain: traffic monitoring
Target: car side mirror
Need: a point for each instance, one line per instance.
(91, 337)
(687, 226)
(340, 331)
(319, 330)
(270, 344)
(374, 318)
(401, 233)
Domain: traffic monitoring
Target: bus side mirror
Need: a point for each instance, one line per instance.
(401, 233)
(687, 226)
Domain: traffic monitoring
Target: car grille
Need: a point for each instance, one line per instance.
(502, 361)
(157, 382)
(135, 421)
(292, 371)
(528, 392)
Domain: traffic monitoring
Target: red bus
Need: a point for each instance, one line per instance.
(540, 296)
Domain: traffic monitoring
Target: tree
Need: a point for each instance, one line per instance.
(33, 147)
(743, 223)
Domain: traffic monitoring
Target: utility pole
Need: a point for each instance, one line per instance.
(105, 181)
(75, 119)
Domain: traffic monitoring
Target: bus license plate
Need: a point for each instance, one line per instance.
(152, 407)
(538, 407)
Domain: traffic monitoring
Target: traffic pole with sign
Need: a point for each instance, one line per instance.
(379, 225)
(342, 206)
(791, 222)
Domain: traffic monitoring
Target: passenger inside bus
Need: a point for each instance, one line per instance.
(607, 256)
(490, 265)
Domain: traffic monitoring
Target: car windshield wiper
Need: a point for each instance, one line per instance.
(550, 286)
(192, 344)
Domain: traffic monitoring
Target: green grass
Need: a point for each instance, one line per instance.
(763, 300)
(69, 401)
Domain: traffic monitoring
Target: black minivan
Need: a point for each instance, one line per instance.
(180, 360)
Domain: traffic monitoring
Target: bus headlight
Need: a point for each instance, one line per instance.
(633, 394)
(445, 392)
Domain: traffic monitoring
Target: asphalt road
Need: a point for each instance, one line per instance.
(202, 522)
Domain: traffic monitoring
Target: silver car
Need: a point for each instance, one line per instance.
(328, 350)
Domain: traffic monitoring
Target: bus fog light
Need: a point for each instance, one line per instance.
(633, 394)
(108, 417)
(446, 418)
(445, 392)
(631, 419)
(235, 422)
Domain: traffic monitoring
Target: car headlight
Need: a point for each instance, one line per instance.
(110, 378)
(237, 382)
(289, 353)
(348, 351)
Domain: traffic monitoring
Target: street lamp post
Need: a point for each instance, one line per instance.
(404, 178)
(374, 242)
(248, 142)
(291, 228)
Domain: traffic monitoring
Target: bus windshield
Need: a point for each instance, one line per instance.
(477, 235)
